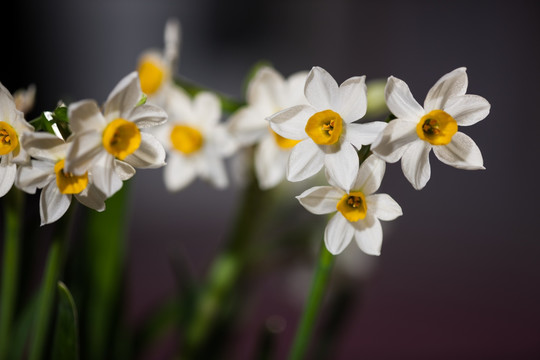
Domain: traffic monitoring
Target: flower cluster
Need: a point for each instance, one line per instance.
(102, 150)
(297, 126)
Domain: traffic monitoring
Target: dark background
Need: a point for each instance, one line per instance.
(459, 273)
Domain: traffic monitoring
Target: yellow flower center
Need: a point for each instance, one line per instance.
(186, 139)
(121, 138)
(69, 183)
(151, 75)
(8, 138)
(353, 206)
(437, 127)
(283, 142)
(325, 127)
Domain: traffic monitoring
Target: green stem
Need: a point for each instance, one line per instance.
(224, 273)
(316, 295)
(10, 271)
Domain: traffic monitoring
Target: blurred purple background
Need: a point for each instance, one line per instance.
(459, 274)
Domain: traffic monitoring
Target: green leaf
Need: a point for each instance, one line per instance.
(45, 302)
(21, 329)
(13, 219)
(66, 338)
(105, 262)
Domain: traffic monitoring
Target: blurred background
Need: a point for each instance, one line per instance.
(459, 272)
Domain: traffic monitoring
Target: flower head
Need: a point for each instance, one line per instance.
(156, 67)
(417, 130)
(12, 126)
(358, 210)
(195, 141)
(112, 139)
(47, 171)
(268, 92)
(325, 128)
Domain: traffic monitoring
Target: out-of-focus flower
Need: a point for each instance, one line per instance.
(195, 141)
(25, 98)
(46, 171)
(417, 130)
(12, 126)
(268, 92)
(111, 142)
(358, 210)
(325, 130)
(156, 67)
(376, 104)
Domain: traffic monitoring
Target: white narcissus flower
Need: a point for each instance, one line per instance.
(156, 67)
(358, 209)
(268, 92)
(12, 127)
(47, 171)
(196, 142)
(325, 128)
(111, 142)
(417, 130)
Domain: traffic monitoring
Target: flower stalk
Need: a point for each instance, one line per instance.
(314, 301)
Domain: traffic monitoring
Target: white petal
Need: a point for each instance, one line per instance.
(44, 146)
(321, 89)
(370, 175)
(123, 170)
(212, 169)
(149, 155)
(467, 109)
(364, 134)
(394, 139)
(124, 97)
(342, 166)
(270, 163)
(34, 176)
(383, 207)
(248, 126)
(462, 153)
(85, 149)
(105, 178)
(221, 141)
(85, 115)
(178, 105)
(147, 115)
(320, 199)
(351, 102)
(291, 123)
(52, 203)
(91, 197)
(452, 84)
(7, 175)
(178, 173)
(415, 163)
(172, 36)
(400, 100)
(305, 160)
(266, 88)
(294, 88)
(207, 109)
(7, 104)
(338, 234)
(368, 235)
